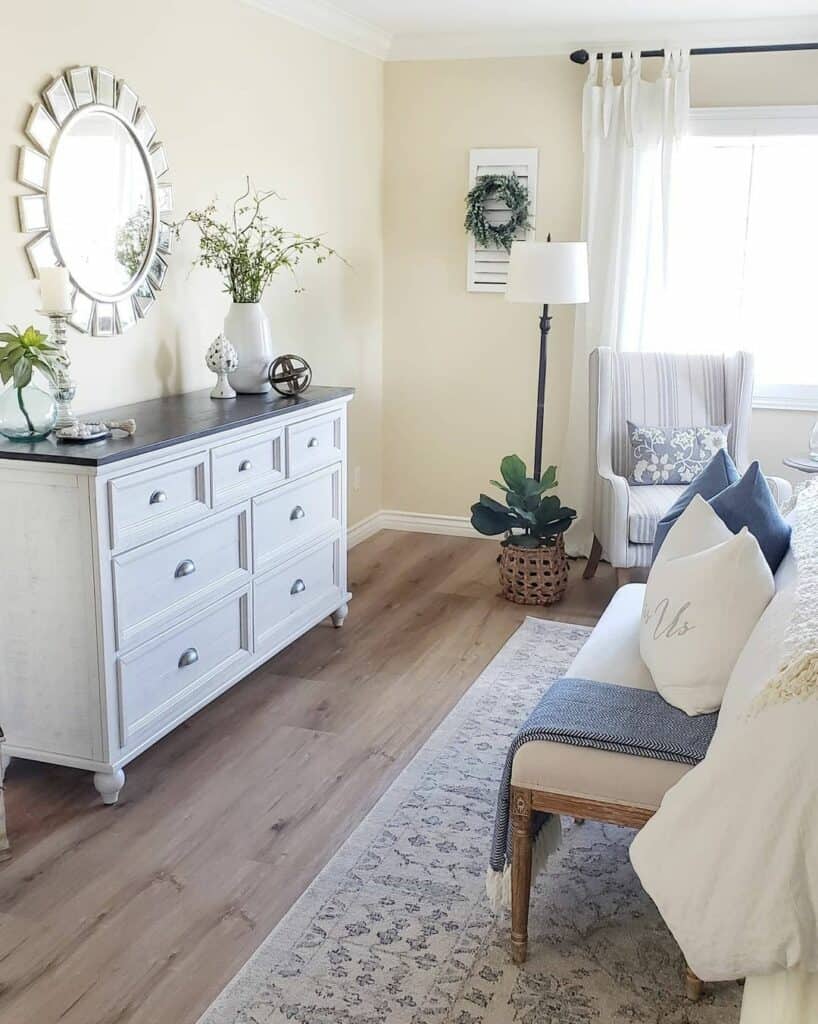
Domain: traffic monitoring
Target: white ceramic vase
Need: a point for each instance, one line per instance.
(248, 330)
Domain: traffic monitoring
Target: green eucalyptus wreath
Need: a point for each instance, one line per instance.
(509, 189)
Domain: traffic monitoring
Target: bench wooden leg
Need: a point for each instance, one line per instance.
(520, 871)
(593, 560)
(694, 986)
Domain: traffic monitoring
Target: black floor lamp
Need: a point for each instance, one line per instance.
(549, 274)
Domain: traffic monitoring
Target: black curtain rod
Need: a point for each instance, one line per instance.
(582, 56)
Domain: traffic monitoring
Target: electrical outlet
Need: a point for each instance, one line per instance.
(356, 478)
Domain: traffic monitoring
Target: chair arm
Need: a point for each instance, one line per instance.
(611, 506)
(781, 489)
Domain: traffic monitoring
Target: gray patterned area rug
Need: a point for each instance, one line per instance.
(397, 930)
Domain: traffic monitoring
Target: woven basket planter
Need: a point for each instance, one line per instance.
(534, 575)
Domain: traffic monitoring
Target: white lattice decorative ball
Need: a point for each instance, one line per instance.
(221, 359)
(221, 356)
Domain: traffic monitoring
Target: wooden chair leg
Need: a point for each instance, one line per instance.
(694, 986)
(593, 559)
(520, 871)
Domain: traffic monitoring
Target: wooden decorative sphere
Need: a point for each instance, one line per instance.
(290, 375)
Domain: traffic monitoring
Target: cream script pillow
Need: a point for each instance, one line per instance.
(706, 591)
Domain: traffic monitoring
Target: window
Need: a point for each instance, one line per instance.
(743, 261)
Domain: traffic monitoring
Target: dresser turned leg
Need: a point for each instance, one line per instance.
(109, 784)
(339, 615)
(5, 761)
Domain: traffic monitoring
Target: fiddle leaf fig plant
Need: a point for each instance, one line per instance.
(529, 518)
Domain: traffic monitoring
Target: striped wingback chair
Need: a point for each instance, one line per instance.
(657, 389)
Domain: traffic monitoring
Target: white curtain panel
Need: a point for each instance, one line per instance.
(631, 130)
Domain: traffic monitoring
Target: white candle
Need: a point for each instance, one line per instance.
(55, 290)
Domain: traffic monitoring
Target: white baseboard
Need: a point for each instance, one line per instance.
(364, 529)
(412, 522)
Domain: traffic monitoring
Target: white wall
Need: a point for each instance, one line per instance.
(233, 91)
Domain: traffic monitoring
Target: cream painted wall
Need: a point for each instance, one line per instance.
(459, 367)
(233, 91)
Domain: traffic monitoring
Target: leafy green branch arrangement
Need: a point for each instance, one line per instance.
(247, 249)
(541, 518)
(20, 355)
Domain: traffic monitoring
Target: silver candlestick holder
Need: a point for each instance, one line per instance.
(65, 389)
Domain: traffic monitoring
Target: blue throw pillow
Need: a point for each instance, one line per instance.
(749, 502)
(719, 473)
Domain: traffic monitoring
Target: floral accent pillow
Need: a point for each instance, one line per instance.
(673, 455)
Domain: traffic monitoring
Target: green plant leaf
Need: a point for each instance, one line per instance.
(45, 367)
(530, 486)
(548, 509)
(549, 478)
(496, 483)
(489, 502)
(512, 470)
(488, 522)
(531, 502)
(554, 527)
(22, 373)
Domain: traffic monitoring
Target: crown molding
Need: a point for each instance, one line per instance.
(330, 22)
(563, 39)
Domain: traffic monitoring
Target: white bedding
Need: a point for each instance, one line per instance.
(731, 857)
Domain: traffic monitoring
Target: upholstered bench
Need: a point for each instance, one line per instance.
(582, 782)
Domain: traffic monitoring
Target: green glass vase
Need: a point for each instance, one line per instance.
(27, 414)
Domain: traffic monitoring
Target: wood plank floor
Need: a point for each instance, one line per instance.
(141, 913)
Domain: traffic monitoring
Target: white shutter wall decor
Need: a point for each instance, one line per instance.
(487, 269)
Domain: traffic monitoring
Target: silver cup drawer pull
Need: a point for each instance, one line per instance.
(157, 498)
(244, 465)
(185, 568)
(297, 513)
(188, 657)
(298, 587)
(313, 442)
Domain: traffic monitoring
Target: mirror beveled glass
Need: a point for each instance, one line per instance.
(101, 193)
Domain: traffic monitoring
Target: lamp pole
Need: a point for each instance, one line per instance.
(545, 327)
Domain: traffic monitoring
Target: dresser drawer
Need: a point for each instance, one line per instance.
(313, 443)
(176, 670)
(152, 502)
(294, 515)
(288, 595)
(245, 467)
(163, 581)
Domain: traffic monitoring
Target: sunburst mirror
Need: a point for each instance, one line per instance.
(98, 175)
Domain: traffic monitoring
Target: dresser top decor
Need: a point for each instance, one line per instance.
(163, 422)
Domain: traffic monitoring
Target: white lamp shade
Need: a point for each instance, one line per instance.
(548, 272)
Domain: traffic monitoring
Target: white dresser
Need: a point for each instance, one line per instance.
(142, 577)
